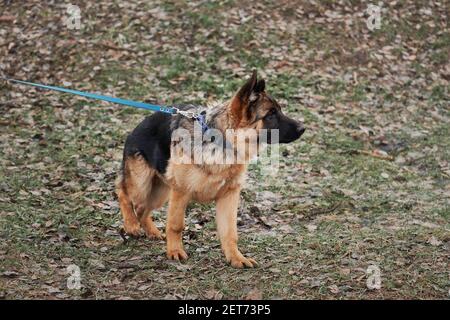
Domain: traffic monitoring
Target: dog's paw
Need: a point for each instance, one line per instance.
(177, 254)
(150, 229)
(154, 234)
(133, 229)
(239, 261)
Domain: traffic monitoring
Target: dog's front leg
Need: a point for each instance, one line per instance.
(226, 217)
(175, 225)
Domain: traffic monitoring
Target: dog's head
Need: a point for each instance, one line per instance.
(252, 107)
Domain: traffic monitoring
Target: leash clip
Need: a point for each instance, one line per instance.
(187, 114)
(200, 117)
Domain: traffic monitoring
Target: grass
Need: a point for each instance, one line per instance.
(314, 226)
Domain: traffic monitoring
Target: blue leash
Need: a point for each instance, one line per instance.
(142, 105)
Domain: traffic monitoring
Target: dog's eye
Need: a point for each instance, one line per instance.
(271, 113)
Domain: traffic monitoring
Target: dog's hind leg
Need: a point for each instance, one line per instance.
(156, 199)
(133, 189)
(130, 222)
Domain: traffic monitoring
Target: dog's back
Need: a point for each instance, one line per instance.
(151, 139)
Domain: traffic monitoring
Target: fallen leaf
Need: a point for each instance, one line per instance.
(254, 294)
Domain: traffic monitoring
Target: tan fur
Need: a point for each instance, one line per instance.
(142, 192)
(226, 217)
(175, 224)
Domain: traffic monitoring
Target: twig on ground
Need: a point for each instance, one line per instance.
(315, 212)
(7, 19)
(375, 154)
(113, 47)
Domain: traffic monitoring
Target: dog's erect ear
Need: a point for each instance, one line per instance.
(246, 90)
(240, 101)
(260, 86)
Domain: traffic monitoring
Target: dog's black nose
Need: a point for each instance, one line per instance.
(300, 129)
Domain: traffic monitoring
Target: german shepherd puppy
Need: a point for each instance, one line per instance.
(150, 176)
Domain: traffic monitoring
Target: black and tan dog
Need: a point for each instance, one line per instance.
(150, 177)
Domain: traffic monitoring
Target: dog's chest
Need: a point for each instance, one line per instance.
(205, 183)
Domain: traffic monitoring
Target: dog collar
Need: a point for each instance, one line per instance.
(201, 118)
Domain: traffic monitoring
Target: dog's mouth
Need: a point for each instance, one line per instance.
(287, 137)
(291, 132)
